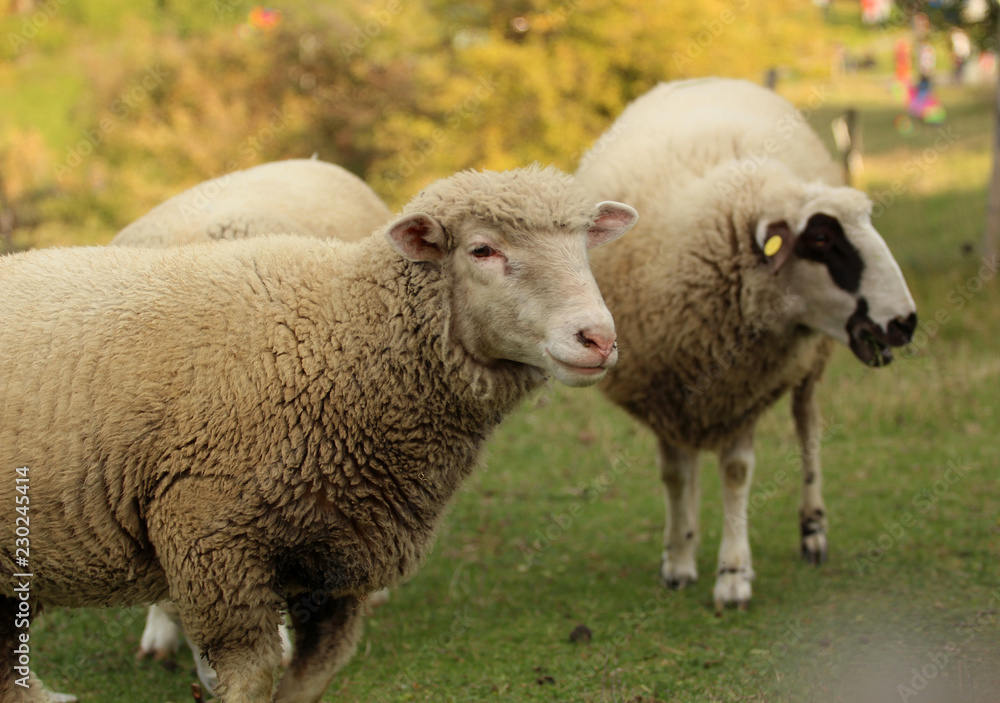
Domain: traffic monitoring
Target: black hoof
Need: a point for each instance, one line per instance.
(814, 557)
(814, 549)
(675, 583)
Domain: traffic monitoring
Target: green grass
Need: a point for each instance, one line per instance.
(483, 621)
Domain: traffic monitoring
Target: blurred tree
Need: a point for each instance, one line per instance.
(24, 159)
(400, 93)
(8, 218)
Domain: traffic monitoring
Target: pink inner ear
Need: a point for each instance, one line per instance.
(613, 220)
(418, 237)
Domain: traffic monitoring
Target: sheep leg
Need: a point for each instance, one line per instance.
(162, 635)
(165, 621)
(240, 641)
(679, 471)
(161, 638)
(732, 583)
(234, 625)
(222, 585)
(812, 511)
(326, 635)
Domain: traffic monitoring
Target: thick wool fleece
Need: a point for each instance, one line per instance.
(239, 420)
(560, 203)
(298, 196)
(706, 345)
(680, 131)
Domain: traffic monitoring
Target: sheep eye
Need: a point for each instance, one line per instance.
(483, 251)
(818, 239)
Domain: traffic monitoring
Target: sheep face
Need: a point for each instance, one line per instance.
(524, 296)
(846, 280)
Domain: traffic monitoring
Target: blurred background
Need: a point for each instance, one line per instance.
(108, 107)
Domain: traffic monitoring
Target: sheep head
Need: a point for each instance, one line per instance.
(821, 242)
(514, 245)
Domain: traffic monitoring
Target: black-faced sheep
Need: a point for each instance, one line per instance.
(748, 259)
(241, 425)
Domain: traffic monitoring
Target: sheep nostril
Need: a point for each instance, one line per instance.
(901, 329)
(594, 340)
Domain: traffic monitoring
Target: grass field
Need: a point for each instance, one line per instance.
(562, 525)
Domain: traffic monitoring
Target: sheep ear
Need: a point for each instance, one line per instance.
(418, 237)
(613, 220)
(777, 242)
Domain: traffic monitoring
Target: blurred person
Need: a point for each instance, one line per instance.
(883, 11)
(923, 105)
(869, 11)
(926, 63)
(961, 50)
(903, 65)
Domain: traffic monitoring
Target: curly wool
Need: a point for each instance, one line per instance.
(705, 346)
(547, 199)
(250, 418)
(241, 426)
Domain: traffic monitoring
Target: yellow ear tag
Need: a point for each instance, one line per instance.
(772, 245)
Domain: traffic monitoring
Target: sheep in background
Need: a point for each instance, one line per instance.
(748, 260)
(297, 196)
(245, 426)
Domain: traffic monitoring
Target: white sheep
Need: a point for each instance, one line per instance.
(280, 422)
(748, 260)
(296, 196)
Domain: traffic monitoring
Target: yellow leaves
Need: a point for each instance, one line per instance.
(400, 93)
(24, 160)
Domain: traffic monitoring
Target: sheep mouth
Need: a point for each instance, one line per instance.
(592, 370)
(869, 349)
(869, 342)
(584, 370)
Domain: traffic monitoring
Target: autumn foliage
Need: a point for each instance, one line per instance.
(114, 108)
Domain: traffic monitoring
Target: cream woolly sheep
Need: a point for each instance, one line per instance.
(298, 196)
(252, 425)
(748, 260)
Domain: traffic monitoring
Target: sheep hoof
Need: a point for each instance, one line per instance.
(732, 588)
(678, 582)
(161, 656)
(38, 693)
(62, 698)
(742, 606)
(814, 547)
(676, 577)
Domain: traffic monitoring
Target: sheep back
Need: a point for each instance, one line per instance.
(297, 196)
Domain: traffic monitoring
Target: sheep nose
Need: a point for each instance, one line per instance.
(901, 329)
(602, 342)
